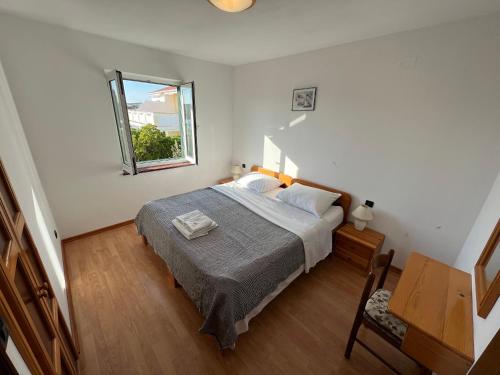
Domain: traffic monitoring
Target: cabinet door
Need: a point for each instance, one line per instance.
(66, 367)
(69, 355)
(29, 291)
(38, 315)
(8, 198)
(5, 240)
(30, 255)
(25, 300)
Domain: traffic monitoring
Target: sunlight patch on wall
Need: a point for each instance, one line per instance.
(272, 155)
(49, 245)
(298, 120)
(291, 168)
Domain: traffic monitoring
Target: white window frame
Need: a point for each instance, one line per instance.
(126, 144)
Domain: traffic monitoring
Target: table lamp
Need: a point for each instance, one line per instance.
(236, 171)
(362, 215)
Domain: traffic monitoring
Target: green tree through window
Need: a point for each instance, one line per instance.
(150, 143)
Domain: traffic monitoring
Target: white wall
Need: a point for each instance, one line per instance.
(409, 120)
(18, 162)
(16, 359)
(484, 329)
(57, 79)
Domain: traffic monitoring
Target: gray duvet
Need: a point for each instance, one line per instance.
(228, 272)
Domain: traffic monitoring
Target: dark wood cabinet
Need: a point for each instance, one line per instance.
(26, 295)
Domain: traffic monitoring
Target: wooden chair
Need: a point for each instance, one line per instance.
(372, 313)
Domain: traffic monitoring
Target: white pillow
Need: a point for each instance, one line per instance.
(259, 182)
(313, 200)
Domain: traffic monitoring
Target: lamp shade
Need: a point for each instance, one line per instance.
(363, 212)
(232, 6)
(236, 169)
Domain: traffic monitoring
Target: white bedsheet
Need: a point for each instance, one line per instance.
(273, 193)
(316, 233)
(334, 216)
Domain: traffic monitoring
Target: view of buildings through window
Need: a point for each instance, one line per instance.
(153, 112)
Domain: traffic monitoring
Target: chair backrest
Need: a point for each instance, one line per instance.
(380, 261)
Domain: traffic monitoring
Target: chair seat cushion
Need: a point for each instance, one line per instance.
(376, 309)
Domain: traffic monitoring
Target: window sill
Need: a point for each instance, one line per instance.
(153, 168)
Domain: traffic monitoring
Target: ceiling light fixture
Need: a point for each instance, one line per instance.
(232, 6)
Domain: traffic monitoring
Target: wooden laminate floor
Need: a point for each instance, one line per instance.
(130, 322)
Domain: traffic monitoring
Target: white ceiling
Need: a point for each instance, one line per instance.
(270, 29)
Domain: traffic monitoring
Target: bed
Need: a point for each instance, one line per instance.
(259, 247)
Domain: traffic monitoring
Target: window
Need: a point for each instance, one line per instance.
(156, 122)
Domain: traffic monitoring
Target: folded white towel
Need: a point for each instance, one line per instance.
(190, 235)
(194, 224)
(195, 221)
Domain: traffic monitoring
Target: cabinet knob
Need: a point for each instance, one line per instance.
(43, 290)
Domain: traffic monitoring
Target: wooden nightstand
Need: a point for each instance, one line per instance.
(358, 247)
(225, 180)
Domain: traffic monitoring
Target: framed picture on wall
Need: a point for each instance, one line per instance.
(304, 99)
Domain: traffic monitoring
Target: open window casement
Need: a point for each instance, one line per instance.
(115, 82)
(185, 96)
(132, 162)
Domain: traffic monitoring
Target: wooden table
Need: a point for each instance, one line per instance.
(435, 300)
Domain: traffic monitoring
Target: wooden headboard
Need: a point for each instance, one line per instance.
(344, 201)
(287, 180)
